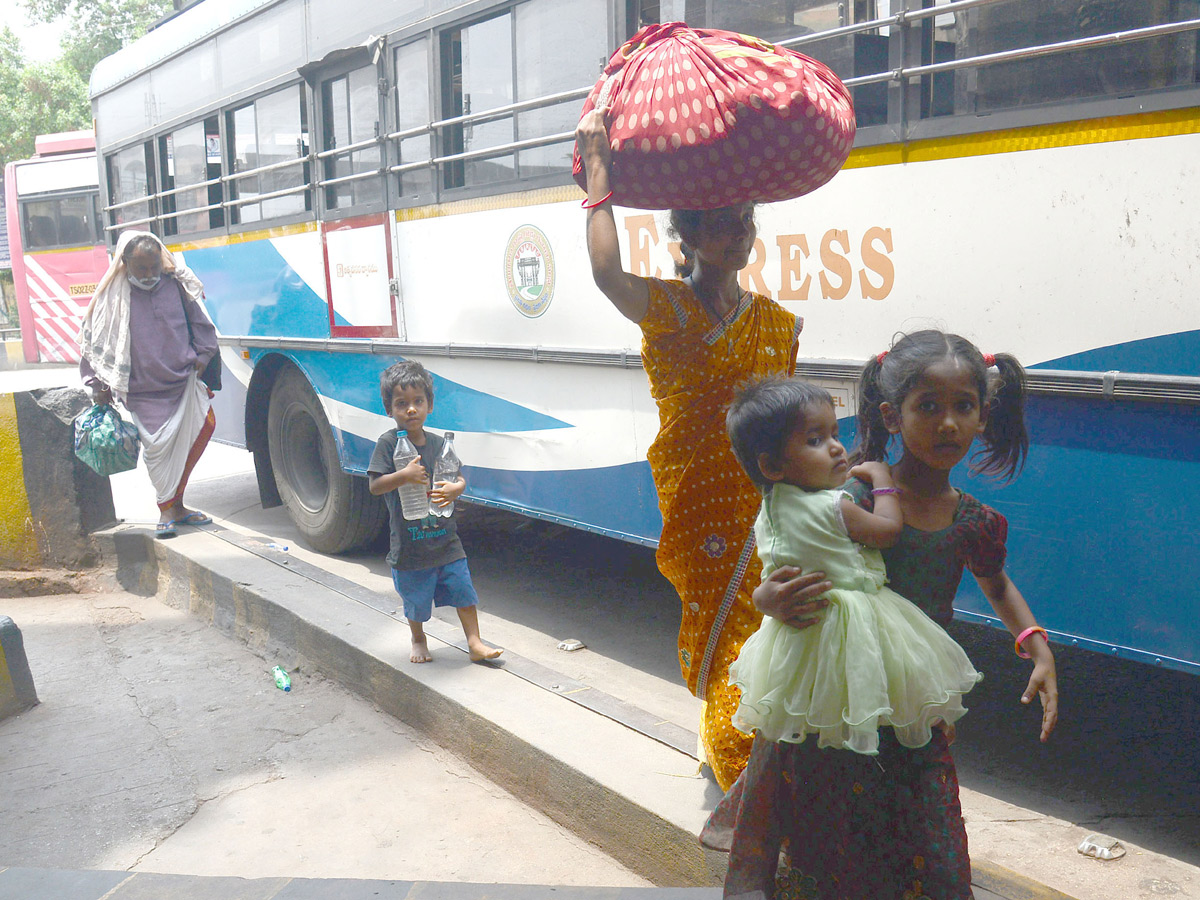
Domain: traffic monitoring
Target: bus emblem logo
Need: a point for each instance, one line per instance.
(529, 271)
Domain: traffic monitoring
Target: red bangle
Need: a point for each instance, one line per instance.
(1035, 629)
(603, 199)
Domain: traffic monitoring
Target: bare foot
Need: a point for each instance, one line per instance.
(420, 651)
(479, 651)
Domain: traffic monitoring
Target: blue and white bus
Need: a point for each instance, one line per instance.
(358, 182)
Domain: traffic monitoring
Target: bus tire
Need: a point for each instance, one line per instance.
(334, 511)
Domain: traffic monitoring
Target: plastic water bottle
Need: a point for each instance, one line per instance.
(446, 468)
(282, 681)
(414, 498)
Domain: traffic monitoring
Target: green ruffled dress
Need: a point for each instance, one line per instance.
(873, 660)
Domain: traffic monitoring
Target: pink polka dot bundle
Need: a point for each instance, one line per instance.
(701, 119)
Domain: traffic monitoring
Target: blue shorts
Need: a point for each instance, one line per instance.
(423, 589)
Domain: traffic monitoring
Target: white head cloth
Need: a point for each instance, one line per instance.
(104, 333)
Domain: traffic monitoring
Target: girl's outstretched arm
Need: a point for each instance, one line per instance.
(628, 293)
(1012, 609)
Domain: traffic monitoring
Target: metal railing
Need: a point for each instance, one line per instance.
(900, 18)
(314, 157)
(1005, 56)
(436, 129)
(1112, 385)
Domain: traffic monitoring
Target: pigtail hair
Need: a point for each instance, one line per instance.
(873, 435)
(1005, 438)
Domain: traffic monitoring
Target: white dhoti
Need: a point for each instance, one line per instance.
(166, 450)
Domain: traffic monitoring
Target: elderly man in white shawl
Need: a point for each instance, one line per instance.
(146, 338)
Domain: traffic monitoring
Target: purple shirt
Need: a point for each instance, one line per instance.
(162, 356)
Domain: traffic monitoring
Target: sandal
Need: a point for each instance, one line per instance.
(165, 530)
(195, 517)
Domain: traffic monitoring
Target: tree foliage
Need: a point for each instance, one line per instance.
(98, 27)
(36, 98)
(41, 98)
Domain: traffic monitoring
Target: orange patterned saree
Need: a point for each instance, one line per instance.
(708, 504)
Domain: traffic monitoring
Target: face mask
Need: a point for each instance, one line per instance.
(147, 285)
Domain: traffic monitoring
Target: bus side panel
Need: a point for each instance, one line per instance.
(265, 284)
(229, 403)
(531, 435)
(538, 438)
(60, 284)
(1044, 253)
(1102, 537)
(252, 287)
(460, 280)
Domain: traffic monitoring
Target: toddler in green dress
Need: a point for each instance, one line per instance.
(875, 659)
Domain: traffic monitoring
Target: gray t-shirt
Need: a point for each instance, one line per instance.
(416, 544)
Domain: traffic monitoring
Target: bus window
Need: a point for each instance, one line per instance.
(567, 39)
(129, 186)
(124, 111)
(334, 24)
(1110, 71)
(641, 13)
(68, 221)
(350, 115)
(412, 111)
(263, 46)
(189, 157)
(41, 224)
(849, 55)
(182, 84)
(477, 75)
(271, 130)
(777, 20)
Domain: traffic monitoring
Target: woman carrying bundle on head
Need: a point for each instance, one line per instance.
(707, 123)
(702, 334)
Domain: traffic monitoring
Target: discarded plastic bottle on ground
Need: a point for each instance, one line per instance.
(414, 498)
(282, 681)
(446, 468)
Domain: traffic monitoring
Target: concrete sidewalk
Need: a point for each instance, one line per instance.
(618, 778)
(93, 884)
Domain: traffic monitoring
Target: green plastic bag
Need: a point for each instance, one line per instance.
(105, 441)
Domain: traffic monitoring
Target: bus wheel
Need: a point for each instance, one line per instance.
(334, 511)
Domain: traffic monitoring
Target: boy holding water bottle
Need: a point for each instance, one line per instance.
(429, 566)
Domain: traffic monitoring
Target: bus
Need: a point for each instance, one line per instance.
(358, 183)
(56, 240)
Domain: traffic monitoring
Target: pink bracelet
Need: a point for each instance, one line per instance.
(877, 491)
(1033, 629)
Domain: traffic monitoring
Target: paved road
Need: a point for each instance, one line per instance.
(161, 745)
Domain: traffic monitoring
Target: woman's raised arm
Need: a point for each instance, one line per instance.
(628, 293)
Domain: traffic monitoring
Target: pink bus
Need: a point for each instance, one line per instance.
(57, 244)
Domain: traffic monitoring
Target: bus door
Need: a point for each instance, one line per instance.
(355, 236)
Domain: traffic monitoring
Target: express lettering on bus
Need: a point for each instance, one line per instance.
(834, 279)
